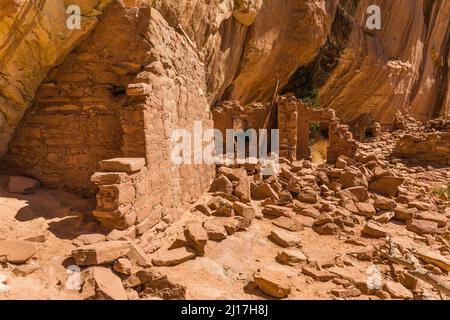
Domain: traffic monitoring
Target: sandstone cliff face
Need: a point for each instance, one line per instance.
(33, 39)
(401, 68)
(202, 52)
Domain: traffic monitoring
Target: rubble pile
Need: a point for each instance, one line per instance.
(371, 227)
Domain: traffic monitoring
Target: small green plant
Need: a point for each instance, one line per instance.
(312, 98)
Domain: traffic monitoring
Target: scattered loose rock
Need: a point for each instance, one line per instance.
(16, 251)
(100, 253)
(102, 284)
(285, 239)
(272, 283)
(173, 257)
(22, 185)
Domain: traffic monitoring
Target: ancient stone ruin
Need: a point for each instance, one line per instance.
(106, 188)
(294, 119)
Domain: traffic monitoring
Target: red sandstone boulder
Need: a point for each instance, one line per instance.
(384, 204)
(352, 178)
(309, 196)
(387, 185)
(375, 230)
(16, 251)
(173, 257)
(196, 237)
(102, 284)
(22, 185)
(277, 211)
(263, 191)
(322, 276)
(215, 230)
(222, 184)
(365, 209)
(396, 290)
(422, 226)
(358, 193)
(291, 257)
(100, 253)
(244, 210)
(273, 283)
(291, 224)
(284, 239)
(328, 229)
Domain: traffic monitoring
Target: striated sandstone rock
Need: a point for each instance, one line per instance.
(398, 68)
(291, 257)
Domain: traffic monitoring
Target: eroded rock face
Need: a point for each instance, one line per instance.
(33, 39)
(402, 67)
(238, 49)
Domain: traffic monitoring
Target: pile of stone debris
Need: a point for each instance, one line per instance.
(355, 196)
(372, 196)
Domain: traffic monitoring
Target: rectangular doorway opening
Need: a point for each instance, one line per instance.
(319, 141)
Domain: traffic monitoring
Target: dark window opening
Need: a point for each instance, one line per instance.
(118, 91)
(369, 133)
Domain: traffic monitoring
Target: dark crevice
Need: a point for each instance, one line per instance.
(118, 91)
(442, 80)
(307, 80)
(427, 11)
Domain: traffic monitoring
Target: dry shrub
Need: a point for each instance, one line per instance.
(319, 151)
(441, 191)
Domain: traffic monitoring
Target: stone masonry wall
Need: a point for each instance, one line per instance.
(426, 147)
(231, 115)
(120, 94)
(294, 120)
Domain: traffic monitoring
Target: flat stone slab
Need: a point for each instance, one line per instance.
(103, 284)
(122, 164)
(434, 258)
(278, 211)
(374, 230)
(422, 227)
(16, 251)
(196, 232)
(215, 230)
(100, 253)
(398, 291)
(285, 239)
(244, 210)
(322, 276)
(87, 239)
(173, 257)
(291, 257)
(273, 283)
(22, 185)
(291, 224)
